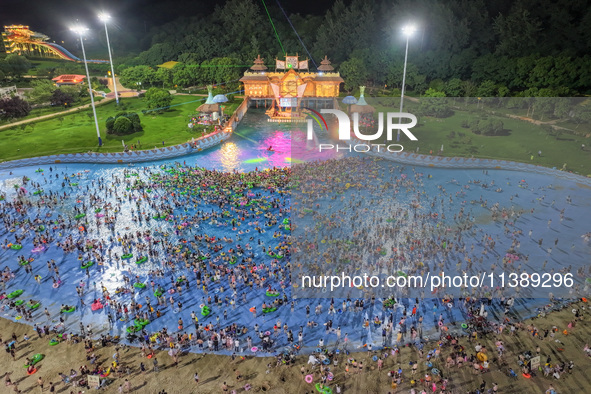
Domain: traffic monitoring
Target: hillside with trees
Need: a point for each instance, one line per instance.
(461, 47)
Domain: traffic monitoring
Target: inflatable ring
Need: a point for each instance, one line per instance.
(584, 299)
(330, 376)
(309, 378)
(32, 372)
(464, 325)
(254, 349)
(526, 375)
(18, 317)
(36, 358)
(375, 358)
(574, 311)
(449, 305)
(435, 371)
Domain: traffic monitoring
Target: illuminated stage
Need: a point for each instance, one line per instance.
(291, 87)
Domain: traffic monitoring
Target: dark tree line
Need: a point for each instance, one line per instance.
(461, 47)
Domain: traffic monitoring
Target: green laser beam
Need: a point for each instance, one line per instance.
(246, 138)
(271, 20)
(224, 65)
(187, 102)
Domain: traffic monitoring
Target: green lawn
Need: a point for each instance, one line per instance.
(77, 132)
(522, 140)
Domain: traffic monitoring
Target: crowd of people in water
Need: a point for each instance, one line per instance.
(175, 235)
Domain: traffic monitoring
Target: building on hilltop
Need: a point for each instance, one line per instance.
(20, 40)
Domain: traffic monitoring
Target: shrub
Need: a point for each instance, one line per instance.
(110, 122)
(122, 125)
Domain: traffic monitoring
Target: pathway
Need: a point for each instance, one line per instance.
(50, 116)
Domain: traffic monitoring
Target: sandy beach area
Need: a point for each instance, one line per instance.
(263, 374)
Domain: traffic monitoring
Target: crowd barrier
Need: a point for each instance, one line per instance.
(472, 163)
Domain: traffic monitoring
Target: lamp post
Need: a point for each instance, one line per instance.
(407, 31)
(104, 18)
(80, 30)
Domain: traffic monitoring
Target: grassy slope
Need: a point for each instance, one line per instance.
(523, 140)
(77, 133)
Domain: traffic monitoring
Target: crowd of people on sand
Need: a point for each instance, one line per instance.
(223, 237)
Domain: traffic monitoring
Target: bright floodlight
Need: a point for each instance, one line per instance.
(78, 29)
(409, 30)
(104, 17)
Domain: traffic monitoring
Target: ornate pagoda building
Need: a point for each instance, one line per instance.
(291, 87)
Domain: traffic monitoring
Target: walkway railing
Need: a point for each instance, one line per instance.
(237, 116)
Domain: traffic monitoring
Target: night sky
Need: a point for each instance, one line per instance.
(53, 17)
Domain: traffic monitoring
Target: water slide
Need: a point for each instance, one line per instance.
(65, 54)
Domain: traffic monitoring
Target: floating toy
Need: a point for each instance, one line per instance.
(141, 322)
(142, 260)
(36, 358)
(72, 309)
(16, 246)
(132, 329)
(127, 256)
(205, 311)
(33, 306)
(53, 342)
(15, 294)
(272, 293)
(268, 310)
(139, 285)
(87, 265)
(324, 390)
(79, 216)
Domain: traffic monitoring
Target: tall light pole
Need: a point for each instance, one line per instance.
(105, 18)
(80, 30)
(407, 31)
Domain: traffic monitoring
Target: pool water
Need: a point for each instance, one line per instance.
(247, 150)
